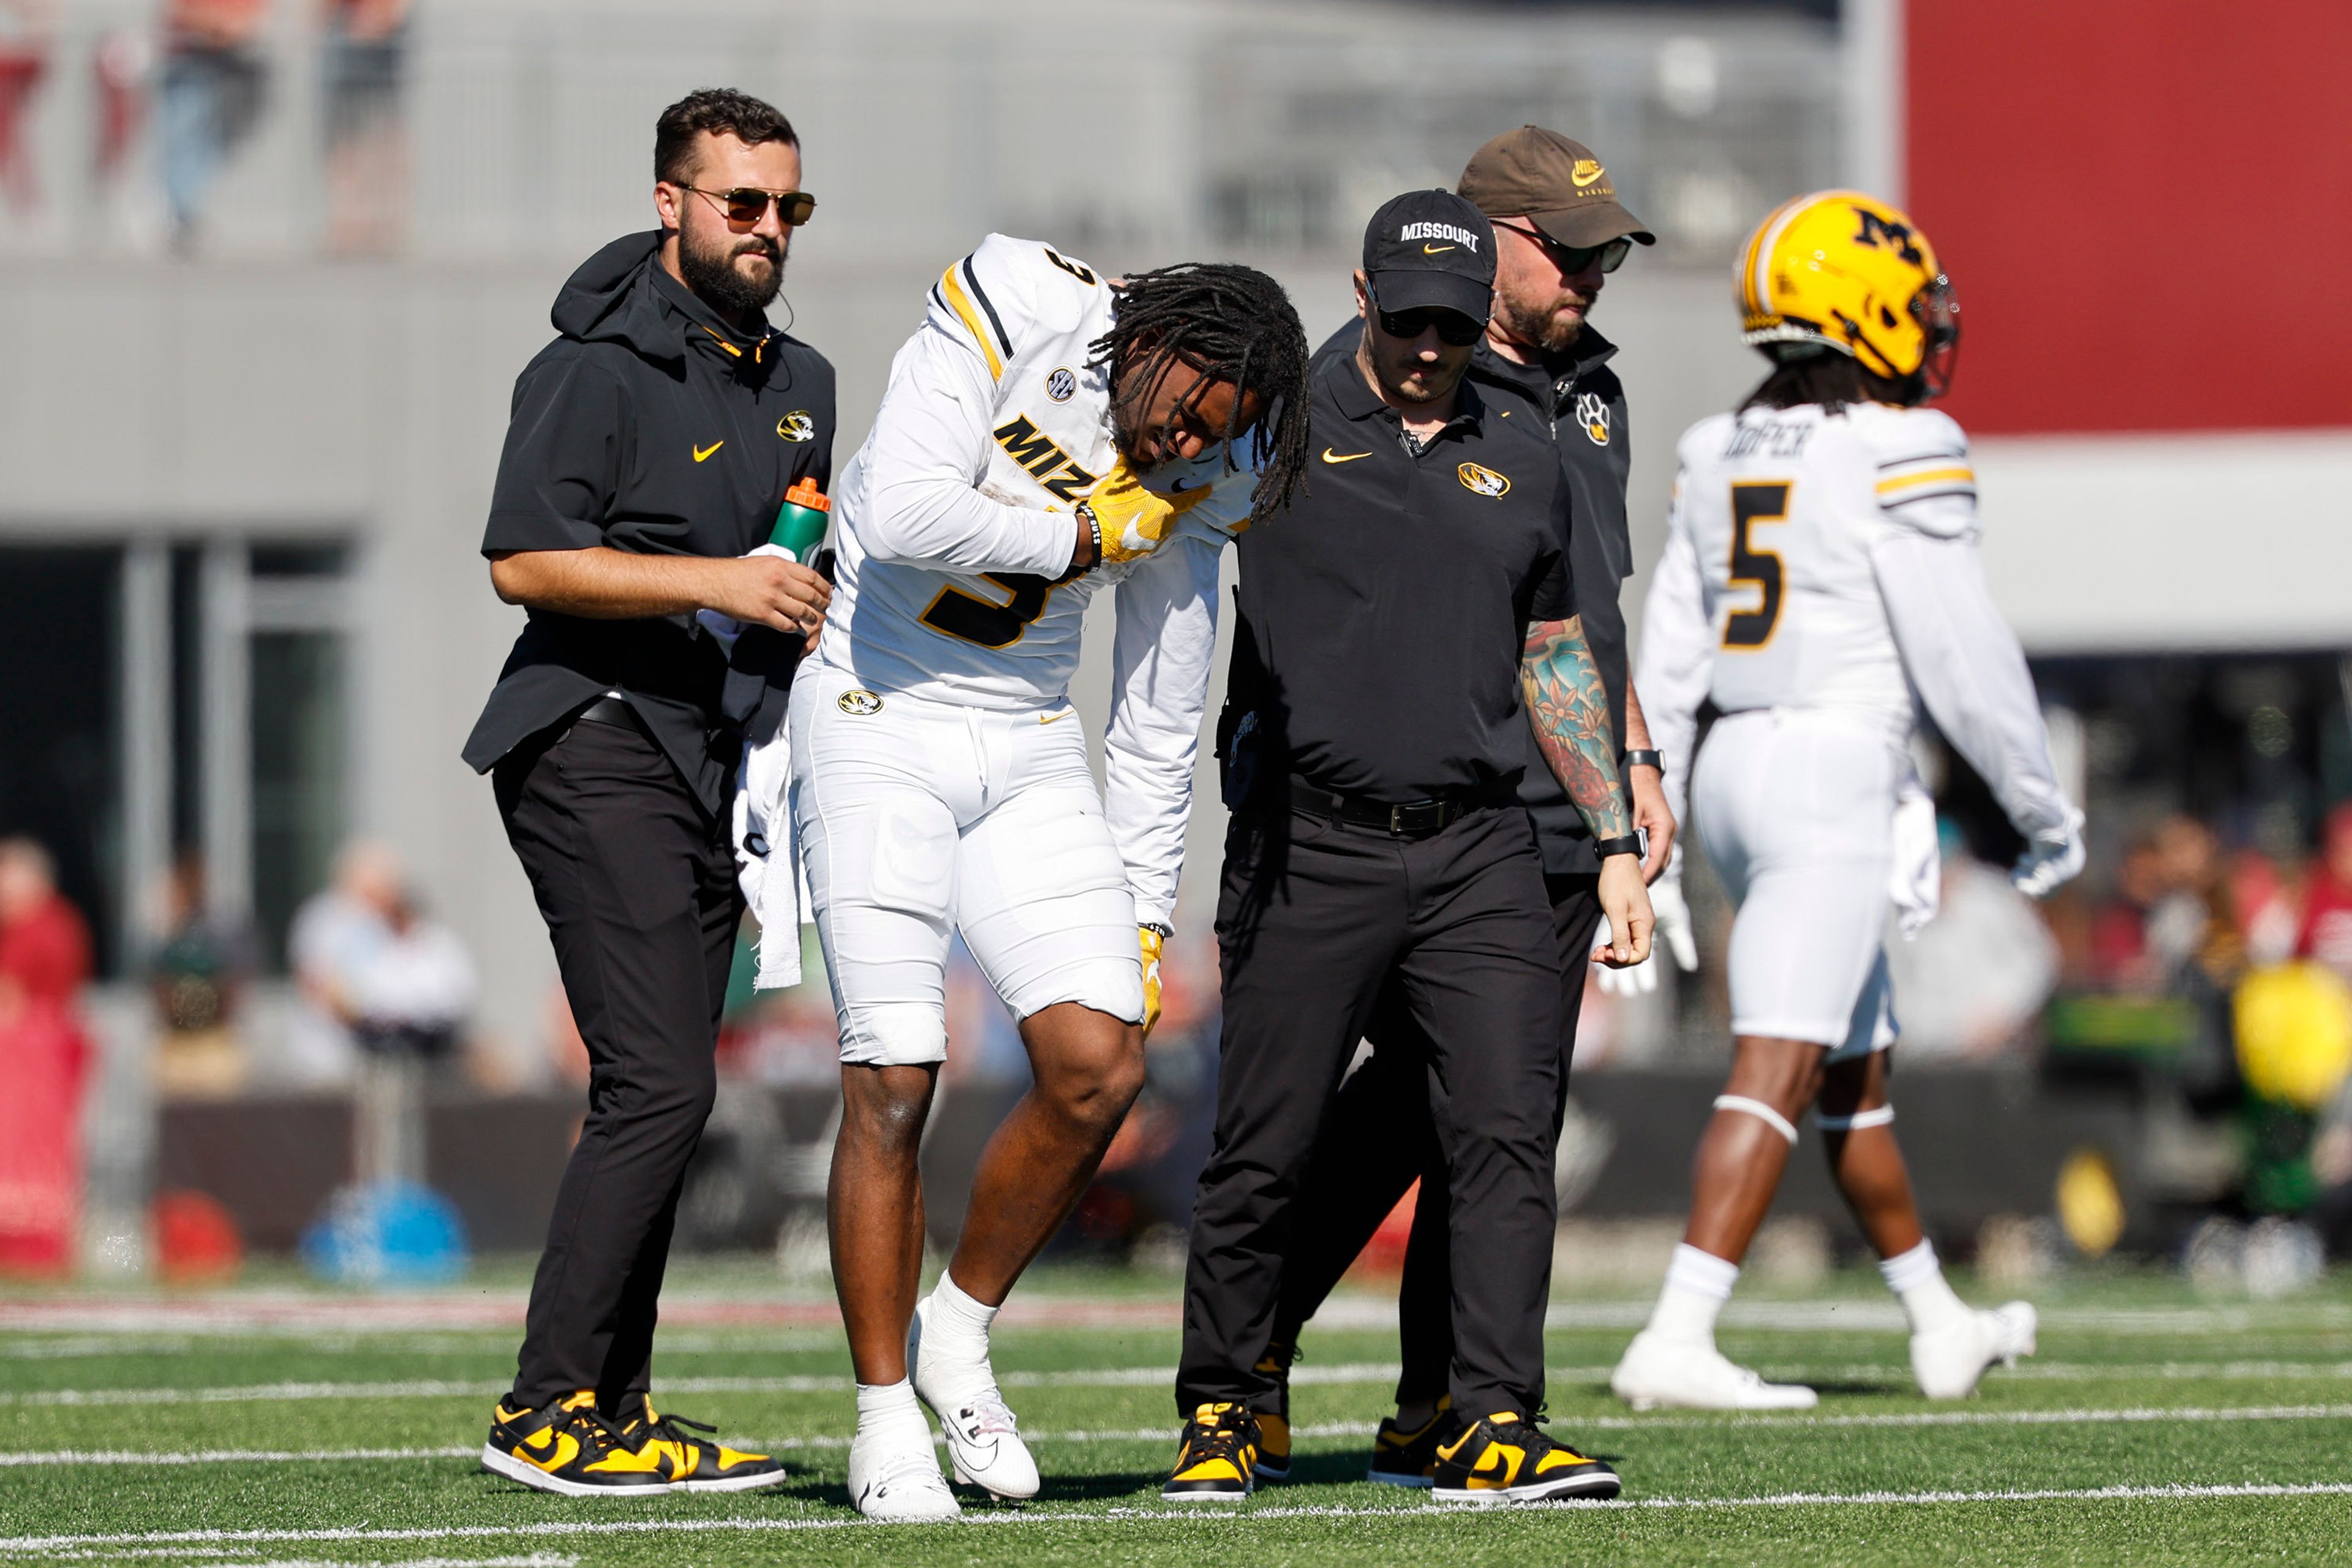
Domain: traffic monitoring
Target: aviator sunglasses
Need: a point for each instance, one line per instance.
(748, 204)
(1573, 260)
(1452, 326)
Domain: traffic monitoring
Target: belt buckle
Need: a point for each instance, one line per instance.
(1396, 822)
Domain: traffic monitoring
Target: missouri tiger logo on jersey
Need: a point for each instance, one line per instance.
(1592, 413)
(1484, 480)
(797, 426)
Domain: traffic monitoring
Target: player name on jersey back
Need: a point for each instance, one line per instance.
(1782, 507)
(998, 395)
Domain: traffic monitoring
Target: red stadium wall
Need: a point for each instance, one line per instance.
(2145, 209)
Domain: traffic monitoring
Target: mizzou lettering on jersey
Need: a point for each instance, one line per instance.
(1048, 463)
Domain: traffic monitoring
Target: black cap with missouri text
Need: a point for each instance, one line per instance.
(1431, 248)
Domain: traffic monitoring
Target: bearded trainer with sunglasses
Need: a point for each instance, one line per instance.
(1401, 624)
(649, 447)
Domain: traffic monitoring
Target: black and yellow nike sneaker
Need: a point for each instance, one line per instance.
(1273, 1413)
(1218, 1456)
(1507, 1459)
(569, 1447)
(1409, 1459)
(697, 1464)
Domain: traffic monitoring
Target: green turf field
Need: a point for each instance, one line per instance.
(277, 1429)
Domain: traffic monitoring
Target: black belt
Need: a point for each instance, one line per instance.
(611, 709)
(1400, 818)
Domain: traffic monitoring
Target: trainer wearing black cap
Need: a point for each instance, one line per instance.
(1390, 619)
(1560, 230)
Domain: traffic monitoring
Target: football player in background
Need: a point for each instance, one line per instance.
(1821, 567)
(1045, 435)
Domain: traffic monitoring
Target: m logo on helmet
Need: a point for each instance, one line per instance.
(1484, 480)
(1896, 237)
(1592, 413)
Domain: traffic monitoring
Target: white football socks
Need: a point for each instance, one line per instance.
(882, 1407)
(1698, 1285)
(1918, 1281)
(955, 1338)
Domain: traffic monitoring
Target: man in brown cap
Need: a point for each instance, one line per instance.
(1560, 231)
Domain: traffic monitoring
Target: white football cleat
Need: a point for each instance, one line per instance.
(1947, 1362)
(1659, 1374)
(894, 1477)
(984, 1446)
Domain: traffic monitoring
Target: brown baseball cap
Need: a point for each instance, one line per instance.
(1554, 182)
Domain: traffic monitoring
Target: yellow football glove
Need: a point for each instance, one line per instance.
(1151, 940)
(1134, 520)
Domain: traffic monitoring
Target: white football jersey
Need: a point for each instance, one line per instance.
(1781, 507)
(1827, 562)
(953, 516)
(953, 530)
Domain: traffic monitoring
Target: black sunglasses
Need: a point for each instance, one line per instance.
(1452, 326)
(748, 204)
(1573, 260)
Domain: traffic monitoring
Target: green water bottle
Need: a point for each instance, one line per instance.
(800, 521)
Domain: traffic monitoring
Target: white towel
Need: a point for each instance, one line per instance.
(767, 852)
(767, 859)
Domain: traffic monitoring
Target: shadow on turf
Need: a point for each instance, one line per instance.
(804, 1490)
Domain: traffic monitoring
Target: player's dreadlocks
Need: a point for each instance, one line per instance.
(1235, 323)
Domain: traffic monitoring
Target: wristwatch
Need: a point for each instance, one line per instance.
(1645, 757)
(1626, 843)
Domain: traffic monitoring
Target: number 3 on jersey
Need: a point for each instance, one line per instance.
(1748, 630)
(973, 619)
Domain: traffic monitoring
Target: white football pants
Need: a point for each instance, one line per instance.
(917, 818)
(1797, 812)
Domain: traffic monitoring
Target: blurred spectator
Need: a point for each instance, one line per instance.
(2171, 924)
(25, 30)
(2325, 936)
(214, 78)
(408, 992)
(1970, 982)
(333, 934)
(2269, 907)
(367, 146)
(118, 69)
(200, 966)
(45, 960)
(405, 995)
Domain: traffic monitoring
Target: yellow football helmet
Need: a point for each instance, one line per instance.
(1846, 271)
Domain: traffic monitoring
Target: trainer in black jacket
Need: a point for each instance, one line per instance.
(1544, 194)
(650, 446)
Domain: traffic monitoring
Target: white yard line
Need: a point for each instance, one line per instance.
(2184, 1415)
(26, 1546)
(1305, 1375)
(294, 1314)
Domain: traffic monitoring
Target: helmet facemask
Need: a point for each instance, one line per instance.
(1936, 310)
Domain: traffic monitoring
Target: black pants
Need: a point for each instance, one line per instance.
(638, 883)
(1315, 921)
(1378, 1139)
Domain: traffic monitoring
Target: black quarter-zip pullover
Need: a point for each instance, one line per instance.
(1384, 612)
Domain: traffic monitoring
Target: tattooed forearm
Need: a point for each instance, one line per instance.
(1569, 707)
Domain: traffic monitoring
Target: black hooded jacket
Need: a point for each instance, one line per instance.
(651, 424)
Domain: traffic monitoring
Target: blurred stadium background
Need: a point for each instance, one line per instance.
(268, 268)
